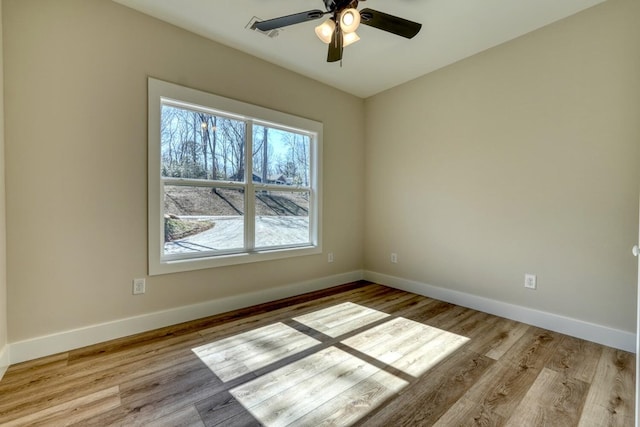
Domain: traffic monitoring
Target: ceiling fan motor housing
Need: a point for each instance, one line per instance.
(338, 5)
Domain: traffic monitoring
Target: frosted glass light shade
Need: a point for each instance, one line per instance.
(349, 38)
(325, 30)
(349, 20)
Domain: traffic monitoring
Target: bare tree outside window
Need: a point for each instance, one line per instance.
(201, 148)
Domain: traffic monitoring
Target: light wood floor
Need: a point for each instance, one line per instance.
(358, 354)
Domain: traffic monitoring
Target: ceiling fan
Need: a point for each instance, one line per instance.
(339, 30)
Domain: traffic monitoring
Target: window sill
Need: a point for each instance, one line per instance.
(191, 264)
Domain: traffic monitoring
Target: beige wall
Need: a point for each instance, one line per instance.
(3, 251)
(524, 158)
(76, 75)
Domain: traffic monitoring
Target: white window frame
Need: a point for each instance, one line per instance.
(159, 91)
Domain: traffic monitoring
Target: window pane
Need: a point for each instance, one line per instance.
(198, 145)
(202, 219)
(280, 157)
(282, 218)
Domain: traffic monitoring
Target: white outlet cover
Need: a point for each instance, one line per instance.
(139, 286)
(530, 281)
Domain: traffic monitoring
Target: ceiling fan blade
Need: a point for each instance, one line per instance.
(285, 21)
(389, 23)
(335, 47)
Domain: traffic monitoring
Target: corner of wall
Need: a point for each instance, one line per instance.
(4, 360)
(4, 349)
(600, 334)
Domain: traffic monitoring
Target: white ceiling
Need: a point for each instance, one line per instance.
(451, 30)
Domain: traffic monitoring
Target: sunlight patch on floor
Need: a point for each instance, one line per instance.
(330, 385)
(340, 319)
(409, 346)
(240, 354)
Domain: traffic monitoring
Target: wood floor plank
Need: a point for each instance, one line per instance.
(71, 382)
(505, 384)
(186, 417)
(23, 370)
(450, 318)
(609, 401)
(391, 358)
(419, 359)
(147, 400)
(553, 399)
(407, 345)
(244, 419)
(304, 397)
(218, 408)
(424, 401)
(397, 302)
(469, 413)
(141, 352)
(497, 336)
(253, 360)
(272, 331)
(330, 316)
(400, 303)
(161, 395)
(429, 312)
(72, 411)
(243, 344)
(388, 335)
(340, 319)
(354, 403)
(471, 326)
(283, 379)
(505, 337)
(534, 349)
(576, 358)
(230, 358)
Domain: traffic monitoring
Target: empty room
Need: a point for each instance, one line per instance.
(319, 212)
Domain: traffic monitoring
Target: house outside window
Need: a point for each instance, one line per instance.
(229, 182)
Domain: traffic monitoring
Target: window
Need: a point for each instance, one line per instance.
(229, 182)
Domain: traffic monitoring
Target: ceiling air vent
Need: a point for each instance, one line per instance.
(271, 33)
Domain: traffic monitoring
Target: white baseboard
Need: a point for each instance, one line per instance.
(68, 340)
(4, 360)
(604, 335)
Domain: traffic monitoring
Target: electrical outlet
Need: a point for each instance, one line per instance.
(530, 281)
(139, 286)
(330, 257)
(394, 258)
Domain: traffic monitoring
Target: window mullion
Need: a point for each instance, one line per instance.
(315, 184)
(201, 183)
(249, 202)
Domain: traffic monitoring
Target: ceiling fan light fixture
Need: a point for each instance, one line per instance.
(349, 38)
(349, 20)
(325, 30)
(339, 30)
